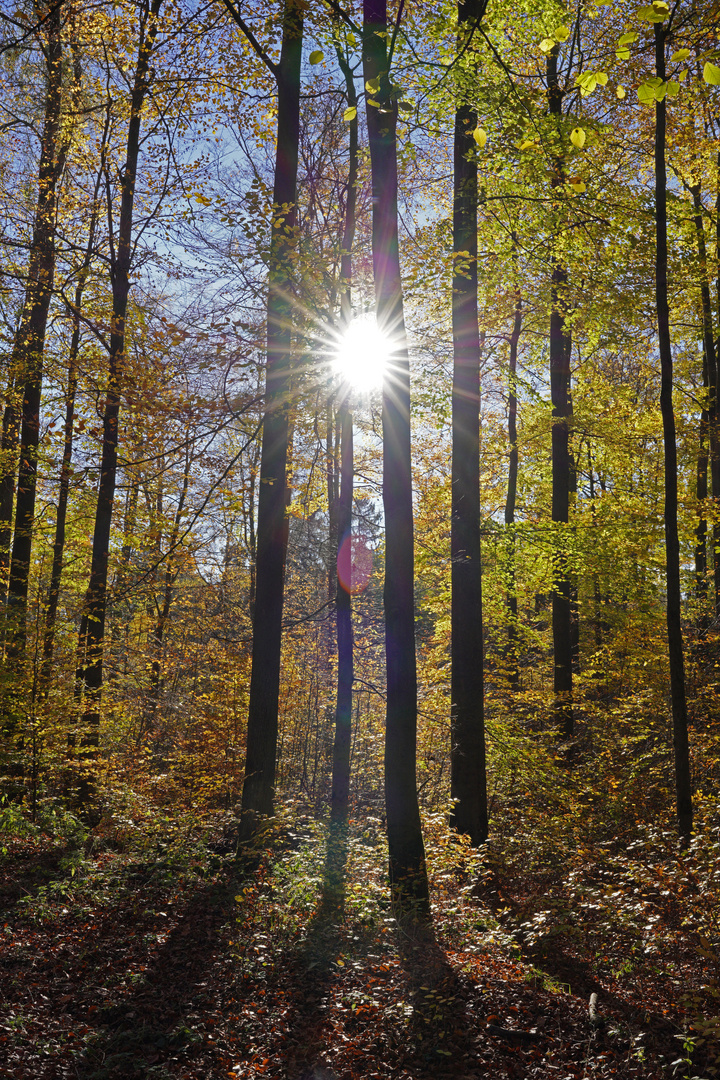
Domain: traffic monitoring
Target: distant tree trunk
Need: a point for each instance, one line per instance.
(340, 798)
(93, 628)
(467, 753)
(701, 490)
(163, 614)
(408, 873)
(8, 458)
(260, 764)
(28, 350)
(512, 653)
(560, 344)
(709, 417)
(672, 543)
(66, 465)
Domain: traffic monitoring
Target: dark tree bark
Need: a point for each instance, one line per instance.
(340, 797)
(672, 543)
(27, 359)
(468, 786)
(510, 500)
(408, 873)
(260, 764)
(93, 629)
(560, 345)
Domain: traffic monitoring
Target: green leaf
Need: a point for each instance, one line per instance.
(627, 39)
(406, 106)
(561, 33)
(372, 86)
(649, 14)
(601, 78)
(480, 137)
(316, 56)
(622, 54)
(681, 54)
(350, 114)
(547, 45)
(673, 88)
(646, 94)
(711, 74)
(577, 137)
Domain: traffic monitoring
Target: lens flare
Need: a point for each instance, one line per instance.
(354, 564)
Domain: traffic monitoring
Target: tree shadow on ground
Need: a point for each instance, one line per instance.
(315, 966)
(151, 1022)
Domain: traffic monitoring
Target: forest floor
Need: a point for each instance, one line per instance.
(163, 958)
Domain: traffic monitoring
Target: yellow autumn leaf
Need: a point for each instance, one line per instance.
(621, 92)
(350, 114)
(711, 74)
(480, 137)
(577, 137)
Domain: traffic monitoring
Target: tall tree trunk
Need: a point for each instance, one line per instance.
(468, 786)
(91, 640)
(672, 543)
(28, 350)
(340, 797)
(510, 500)
(408, 873)
(260, 765)
(560, 344)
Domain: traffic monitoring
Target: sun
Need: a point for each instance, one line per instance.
(362, 354)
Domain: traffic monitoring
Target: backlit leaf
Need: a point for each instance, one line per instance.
(316, 56)
(577, 137)
(350, 114)
(480, 137)
(711, 74)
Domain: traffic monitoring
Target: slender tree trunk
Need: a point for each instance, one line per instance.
(408, 873)
(560, 343)
(260, 765)
(510, 500)
(66, 465)
(92, 641)
(672, 543)
(467, 756)
(27, 359)
(709, 418)
(8, 460)
(701, 491)
(340, 798)
(163, 615)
